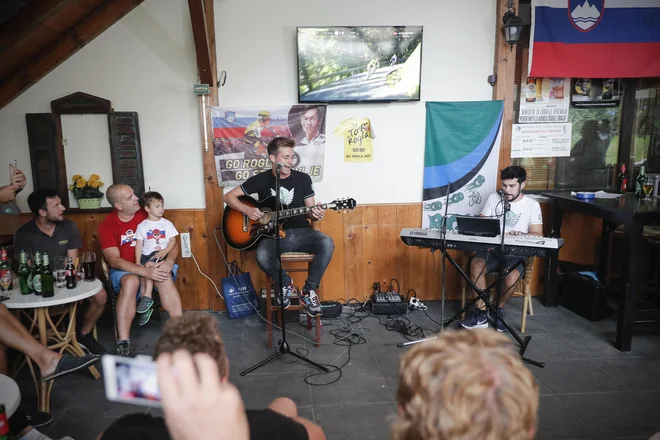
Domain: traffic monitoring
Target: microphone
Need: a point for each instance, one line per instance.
(500, 192)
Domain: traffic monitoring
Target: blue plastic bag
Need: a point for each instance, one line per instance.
(241, 299)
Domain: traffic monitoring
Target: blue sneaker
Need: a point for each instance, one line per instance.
(500, 326)
(479, 319)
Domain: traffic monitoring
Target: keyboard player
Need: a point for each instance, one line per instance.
(523, 219)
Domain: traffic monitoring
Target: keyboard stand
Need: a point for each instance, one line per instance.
(482, 295)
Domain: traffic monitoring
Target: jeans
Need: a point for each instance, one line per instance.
(298, 240)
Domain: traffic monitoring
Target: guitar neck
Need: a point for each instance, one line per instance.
(299, 211)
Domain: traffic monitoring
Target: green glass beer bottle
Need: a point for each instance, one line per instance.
(47, 279)
(23, 274)
(36, 274)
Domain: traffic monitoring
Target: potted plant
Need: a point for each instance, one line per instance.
(87, 192)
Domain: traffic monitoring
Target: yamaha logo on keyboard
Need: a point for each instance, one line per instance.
(420, 233)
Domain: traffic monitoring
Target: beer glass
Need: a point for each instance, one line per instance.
(648, 189)
(89, 265)
(59, 271)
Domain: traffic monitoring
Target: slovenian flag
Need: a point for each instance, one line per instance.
(595, 38)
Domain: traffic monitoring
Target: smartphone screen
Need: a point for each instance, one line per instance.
(131, 380)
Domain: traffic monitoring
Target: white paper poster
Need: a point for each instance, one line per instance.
(544, 100)
(541, 140)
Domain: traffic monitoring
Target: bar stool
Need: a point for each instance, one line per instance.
(290, 258)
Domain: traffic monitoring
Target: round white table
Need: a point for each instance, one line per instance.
(48, 325)
(10, 395)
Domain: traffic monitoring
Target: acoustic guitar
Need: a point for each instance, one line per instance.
(242, 233)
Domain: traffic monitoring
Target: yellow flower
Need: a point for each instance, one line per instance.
(99, 184)
(95, 177)
(76, 177)
(80, 183)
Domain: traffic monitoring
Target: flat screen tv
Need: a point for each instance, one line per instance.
(343, 64)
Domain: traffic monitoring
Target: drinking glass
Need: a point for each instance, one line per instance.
(89, 265)
(648, 189)
(59, 271)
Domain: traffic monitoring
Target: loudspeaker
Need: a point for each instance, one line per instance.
(585, 296)
(289, 315)
(331, 309)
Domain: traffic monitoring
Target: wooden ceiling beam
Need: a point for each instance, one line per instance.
(27, 19)
(94, 25)
(202, 45)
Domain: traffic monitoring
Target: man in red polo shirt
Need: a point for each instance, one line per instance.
(117, 238)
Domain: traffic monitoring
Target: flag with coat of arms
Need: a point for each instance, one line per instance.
(595, 39)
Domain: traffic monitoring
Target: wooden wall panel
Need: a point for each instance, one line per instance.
(367, 249)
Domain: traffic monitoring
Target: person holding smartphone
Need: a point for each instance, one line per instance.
(17, 182)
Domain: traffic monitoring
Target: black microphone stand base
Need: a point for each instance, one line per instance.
(284, 349)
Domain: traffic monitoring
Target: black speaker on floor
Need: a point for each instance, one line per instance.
(289, 315)
(585, 296)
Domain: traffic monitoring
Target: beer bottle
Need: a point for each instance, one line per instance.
(622, 179)
(47, 279)
(6, 275)
(5, 433)
(639, 183)
(530, 91)
(36, 274)
(71, 277)
(24, 274)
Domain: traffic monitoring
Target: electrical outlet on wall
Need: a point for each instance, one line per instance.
(186, 251)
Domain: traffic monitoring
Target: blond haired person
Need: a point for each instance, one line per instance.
(465, 386)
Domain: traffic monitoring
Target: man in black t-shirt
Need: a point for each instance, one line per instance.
(296, 191)
(198, 333)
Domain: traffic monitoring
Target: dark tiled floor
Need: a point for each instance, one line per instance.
(589, 390)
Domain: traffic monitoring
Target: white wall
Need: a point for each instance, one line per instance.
(256, 46)
(145, 63)
(86, 152)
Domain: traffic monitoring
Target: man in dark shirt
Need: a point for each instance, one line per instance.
(198, 333)
(57, 236)
(296, 191)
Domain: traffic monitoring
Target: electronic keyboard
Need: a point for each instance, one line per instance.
(521, 245)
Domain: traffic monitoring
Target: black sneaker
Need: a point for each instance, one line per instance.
(479, 319)
(91, 345)
(125, 349)
(311, 301)
(287, 291)
(500, 326)
(37, 419)
(69, 364)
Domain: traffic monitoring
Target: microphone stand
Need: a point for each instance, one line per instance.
(443, 247)
(284, 345)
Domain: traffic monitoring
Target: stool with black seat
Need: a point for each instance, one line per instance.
(113, 297)
(290, 258)
(523, 286)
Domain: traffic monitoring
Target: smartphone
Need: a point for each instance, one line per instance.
(131, 380)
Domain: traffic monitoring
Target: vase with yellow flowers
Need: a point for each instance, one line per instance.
(87, 192)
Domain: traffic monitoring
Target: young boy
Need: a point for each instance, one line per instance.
(155, 237)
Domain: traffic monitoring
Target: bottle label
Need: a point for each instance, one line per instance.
(4, 425)
(36, 282)
(5, 279)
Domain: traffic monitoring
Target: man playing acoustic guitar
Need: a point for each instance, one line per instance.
(296, 191)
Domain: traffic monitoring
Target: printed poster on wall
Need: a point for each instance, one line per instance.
(544, 100)
(596, 93)
(462, 150)
(241, 135)
(358, 135)
(541, 140)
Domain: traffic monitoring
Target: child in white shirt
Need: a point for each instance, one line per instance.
(155, 238)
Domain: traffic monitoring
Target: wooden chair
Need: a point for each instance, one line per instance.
(290, 258)
(522, 288)
(113, 297)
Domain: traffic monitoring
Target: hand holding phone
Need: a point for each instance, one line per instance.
(131, 380)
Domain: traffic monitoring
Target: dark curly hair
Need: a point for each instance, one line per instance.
(195, 333)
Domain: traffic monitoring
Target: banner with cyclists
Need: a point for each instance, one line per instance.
(241, 135)
(461, 154)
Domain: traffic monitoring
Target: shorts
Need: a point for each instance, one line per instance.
(116, 275)
(145, 258)
(493, 260)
